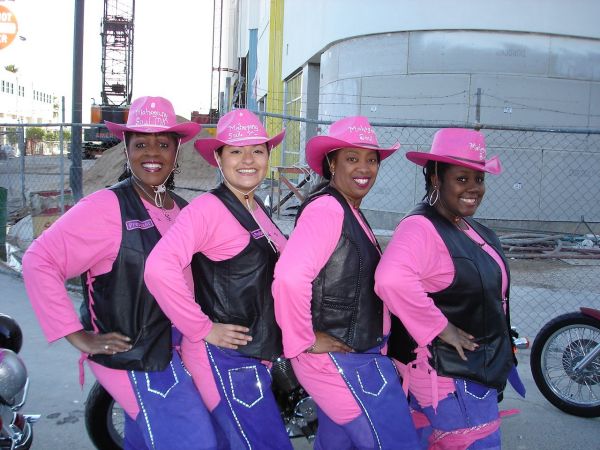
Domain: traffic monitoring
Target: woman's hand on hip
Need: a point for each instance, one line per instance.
(326, 343)
(99, 344)
(458, 339)
(228, 335)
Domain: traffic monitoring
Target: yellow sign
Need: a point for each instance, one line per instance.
(8, 27)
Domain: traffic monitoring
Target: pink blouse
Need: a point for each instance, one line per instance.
(87, 237)
(417, 261)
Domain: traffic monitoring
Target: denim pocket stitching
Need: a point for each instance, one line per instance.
(258, 384)
(157, 392)
(475, 395)
(374, 394)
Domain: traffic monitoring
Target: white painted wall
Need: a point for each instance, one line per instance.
(536, 62)
(249, 19)
(230, 26)
(262, 69)
(15, 108)
(526, 79)
(312, 25)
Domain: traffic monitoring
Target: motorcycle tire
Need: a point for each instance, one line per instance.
(104, 419)
(557, 348)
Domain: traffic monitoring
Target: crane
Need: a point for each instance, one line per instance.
(117, 74)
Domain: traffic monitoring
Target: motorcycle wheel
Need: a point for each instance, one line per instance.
(104, 419)
(558, 347)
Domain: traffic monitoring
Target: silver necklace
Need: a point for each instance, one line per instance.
(160, 203)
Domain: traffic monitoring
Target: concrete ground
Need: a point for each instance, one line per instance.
(56, 395)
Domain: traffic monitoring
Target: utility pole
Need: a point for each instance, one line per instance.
(75, 173)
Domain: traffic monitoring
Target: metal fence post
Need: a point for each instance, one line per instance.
(62, 161)
(478, 107)
(284, 123)
(76, 170)
(3, 217)
(22, 164)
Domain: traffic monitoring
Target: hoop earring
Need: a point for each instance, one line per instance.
(434, 196)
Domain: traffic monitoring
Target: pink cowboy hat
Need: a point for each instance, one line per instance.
(153, 115)
(237, 128)
(353, 132)
(460, 147)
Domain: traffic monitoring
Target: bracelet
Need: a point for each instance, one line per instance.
(311, 349)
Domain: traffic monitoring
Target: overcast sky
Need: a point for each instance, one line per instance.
(172, 49)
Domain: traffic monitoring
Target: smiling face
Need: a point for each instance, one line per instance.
(244, 168)
(461, 191)
(355, 172)
(151, 156)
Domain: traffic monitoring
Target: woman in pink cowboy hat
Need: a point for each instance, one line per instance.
(227, 319)
(334, 326)
(125, 337)
(445, 277)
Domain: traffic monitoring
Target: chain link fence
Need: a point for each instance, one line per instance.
(544, 205)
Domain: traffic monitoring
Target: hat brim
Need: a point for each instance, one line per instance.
(187, 130)
(207, 146)
(491, 165)
(318, 146)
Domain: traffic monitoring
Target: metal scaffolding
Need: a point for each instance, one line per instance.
(117, 52)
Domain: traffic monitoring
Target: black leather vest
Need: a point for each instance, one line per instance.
(344, 303)
(238, 290)
(472, 302)
(121, 301)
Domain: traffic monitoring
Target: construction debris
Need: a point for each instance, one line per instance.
(556, 246)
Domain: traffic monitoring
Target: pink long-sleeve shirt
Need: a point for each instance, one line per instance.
(417, 261)
(310, 246)
(87, 237)
(208, 227)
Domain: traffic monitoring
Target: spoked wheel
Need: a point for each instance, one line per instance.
(556, 356)
(104, 419)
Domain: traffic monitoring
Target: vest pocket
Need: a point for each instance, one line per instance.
(334, 317)
(370, 378)
(245, 385)
(161, 383)
(339, 302)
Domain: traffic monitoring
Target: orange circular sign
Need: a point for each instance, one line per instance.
(8, 27)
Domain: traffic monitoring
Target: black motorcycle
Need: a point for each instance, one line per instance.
(104, 418)
(565, 362)
(16, 430)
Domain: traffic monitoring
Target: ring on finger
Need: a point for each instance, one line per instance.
(106, 347)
